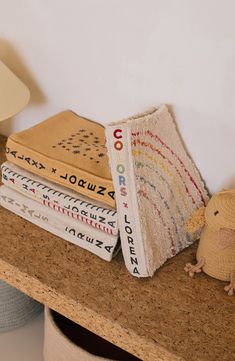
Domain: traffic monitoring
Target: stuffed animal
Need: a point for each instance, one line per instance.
(216, 250)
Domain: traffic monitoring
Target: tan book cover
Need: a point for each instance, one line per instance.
(66, 149)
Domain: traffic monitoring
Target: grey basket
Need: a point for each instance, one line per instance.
(16, 309)
(65, 340)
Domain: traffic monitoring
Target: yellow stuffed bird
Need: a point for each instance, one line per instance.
(216, 250)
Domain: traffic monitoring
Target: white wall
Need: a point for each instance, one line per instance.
(107, 59)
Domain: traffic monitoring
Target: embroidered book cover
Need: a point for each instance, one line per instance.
(60, 199)
(157, 188)
(104, 245)
(66, 149)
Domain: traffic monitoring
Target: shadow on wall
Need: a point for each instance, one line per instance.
(9, 56)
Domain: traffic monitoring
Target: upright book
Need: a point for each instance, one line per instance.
(157, 188)
(66, 149)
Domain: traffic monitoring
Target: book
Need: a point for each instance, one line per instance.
(103, 245)
(157, 188)
(60, 198)
(69, 150)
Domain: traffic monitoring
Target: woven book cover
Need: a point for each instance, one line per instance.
(157, 188)
(66, 149)
(60, 199)
(100, 243)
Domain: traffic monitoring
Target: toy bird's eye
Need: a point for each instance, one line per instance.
(215, 213)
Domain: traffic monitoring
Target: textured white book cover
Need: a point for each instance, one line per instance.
(126, 199)
(103, 245)
(60, 199)
(157, 188)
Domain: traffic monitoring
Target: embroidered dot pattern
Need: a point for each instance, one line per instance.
(82, 143)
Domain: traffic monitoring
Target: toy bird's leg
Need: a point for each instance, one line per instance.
(197, 268)
(231, 287)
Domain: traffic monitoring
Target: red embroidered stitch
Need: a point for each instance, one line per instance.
(149, 145)
(143, 194)
(76, 216)
(148, 132)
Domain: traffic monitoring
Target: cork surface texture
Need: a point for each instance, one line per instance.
(169, 317)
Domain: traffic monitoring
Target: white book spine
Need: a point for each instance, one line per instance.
(56, 197)
(103, 245)
(119, 151)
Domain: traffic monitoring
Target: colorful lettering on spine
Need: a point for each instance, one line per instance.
(123, 191)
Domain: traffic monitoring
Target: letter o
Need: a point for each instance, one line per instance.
(120, 168)
(118, 145)
(73, 179)
(128, 230)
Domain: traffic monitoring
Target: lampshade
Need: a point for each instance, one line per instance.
(14, 95)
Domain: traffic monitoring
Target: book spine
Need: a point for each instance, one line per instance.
(125, 190)
(61, 173)
(96, 242)
(101, 218)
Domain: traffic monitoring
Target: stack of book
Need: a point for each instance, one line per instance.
(57, 176)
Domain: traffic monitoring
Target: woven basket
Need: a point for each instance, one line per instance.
(16, 309)
(65, 340)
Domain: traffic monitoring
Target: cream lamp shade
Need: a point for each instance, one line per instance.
(14, 95)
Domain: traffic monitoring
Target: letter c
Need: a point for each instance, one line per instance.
(115, 133)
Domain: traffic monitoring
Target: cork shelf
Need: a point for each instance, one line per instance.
(169, 317)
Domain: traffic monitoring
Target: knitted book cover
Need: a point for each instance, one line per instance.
(66, 149)
(157, 188)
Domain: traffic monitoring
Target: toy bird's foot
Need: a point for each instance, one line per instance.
(197, 268)
(231, 287)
